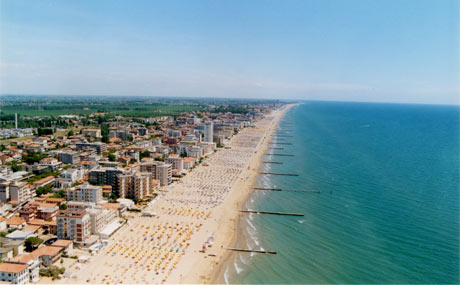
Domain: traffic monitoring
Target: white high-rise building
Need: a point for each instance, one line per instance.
(208, 131)
(85, 193)
(16, 120)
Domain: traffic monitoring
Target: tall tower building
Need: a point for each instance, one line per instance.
(15, 120)
(208, 131)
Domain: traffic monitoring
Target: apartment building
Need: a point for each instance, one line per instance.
(14, 273)
(4, 191)
(208, 131)
(32, 263)
(85, 193)
(194, 151)
(73, 225)
(39, 210)
(105, 176)
(72, 157)
(98, 146)
(51, 163)
(96, 133)
(136, 185)
(100, 218)
(176, 162)
(20, 192)
(161, 171)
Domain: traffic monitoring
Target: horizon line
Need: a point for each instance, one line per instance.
(290, 100)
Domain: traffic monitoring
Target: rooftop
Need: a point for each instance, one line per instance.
(62, 243)
(46, 250)
(44, 180)
(22, 258)
(15, 221)
(12, 267)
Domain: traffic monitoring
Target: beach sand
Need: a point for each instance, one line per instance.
(200, 211)
(208, 268)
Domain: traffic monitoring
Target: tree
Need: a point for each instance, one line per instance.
(32, 243)
(75, 184)
(44, 131)
(105, 133)
(15, 167)
(43, 190)
(52, 271)
(63, 207)
(132, 160)
(145, 154)
(113, 196)
(59, 194)
(111, 157)
(70, 133)
(32, 157)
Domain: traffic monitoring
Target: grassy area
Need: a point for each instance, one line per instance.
(63, 133)
(16, 139)
(128, 110)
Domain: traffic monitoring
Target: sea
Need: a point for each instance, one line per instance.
(388, 207)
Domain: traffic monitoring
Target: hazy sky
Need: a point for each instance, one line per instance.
(368, 50)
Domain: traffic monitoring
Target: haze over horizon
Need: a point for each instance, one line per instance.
(374, 51)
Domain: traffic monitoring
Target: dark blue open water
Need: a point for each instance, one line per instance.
(389, 207)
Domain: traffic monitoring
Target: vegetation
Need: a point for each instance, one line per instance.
(232, 109)
(112, 157)
(65, 255)
(15, 167)
(127, 109)
(113, 197)
(32, 243)
(75, 184)
(144, 154)
(32, 157)
(59, 194)
(43, 175)
(134, 210)
(63, 207)
(44, 190)
(52, 271)
(44, 131)
(104, 132)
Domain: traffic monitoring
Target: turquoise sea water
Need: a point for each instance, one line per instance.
(389, 207)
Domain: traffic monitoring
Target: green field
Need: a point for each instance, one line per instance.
(127, 110)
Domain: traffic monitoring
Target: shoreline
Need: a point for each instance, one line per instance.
(229, 218)
(201, 211)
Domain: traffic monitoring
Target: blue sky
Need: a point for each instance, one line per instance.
(367, 50)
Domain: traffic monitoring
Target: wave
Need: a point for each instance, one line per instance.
(251, 224)
(226, 275)
(243, 260)
(237, 268)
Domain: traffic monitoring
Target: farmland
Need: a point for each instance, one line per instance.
(114, 108)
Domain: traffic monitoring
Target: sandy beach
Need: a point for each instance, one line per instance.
(208, 269)
(196, 219)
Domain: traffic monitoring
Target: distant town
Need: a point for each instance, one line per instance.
(70, 180)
